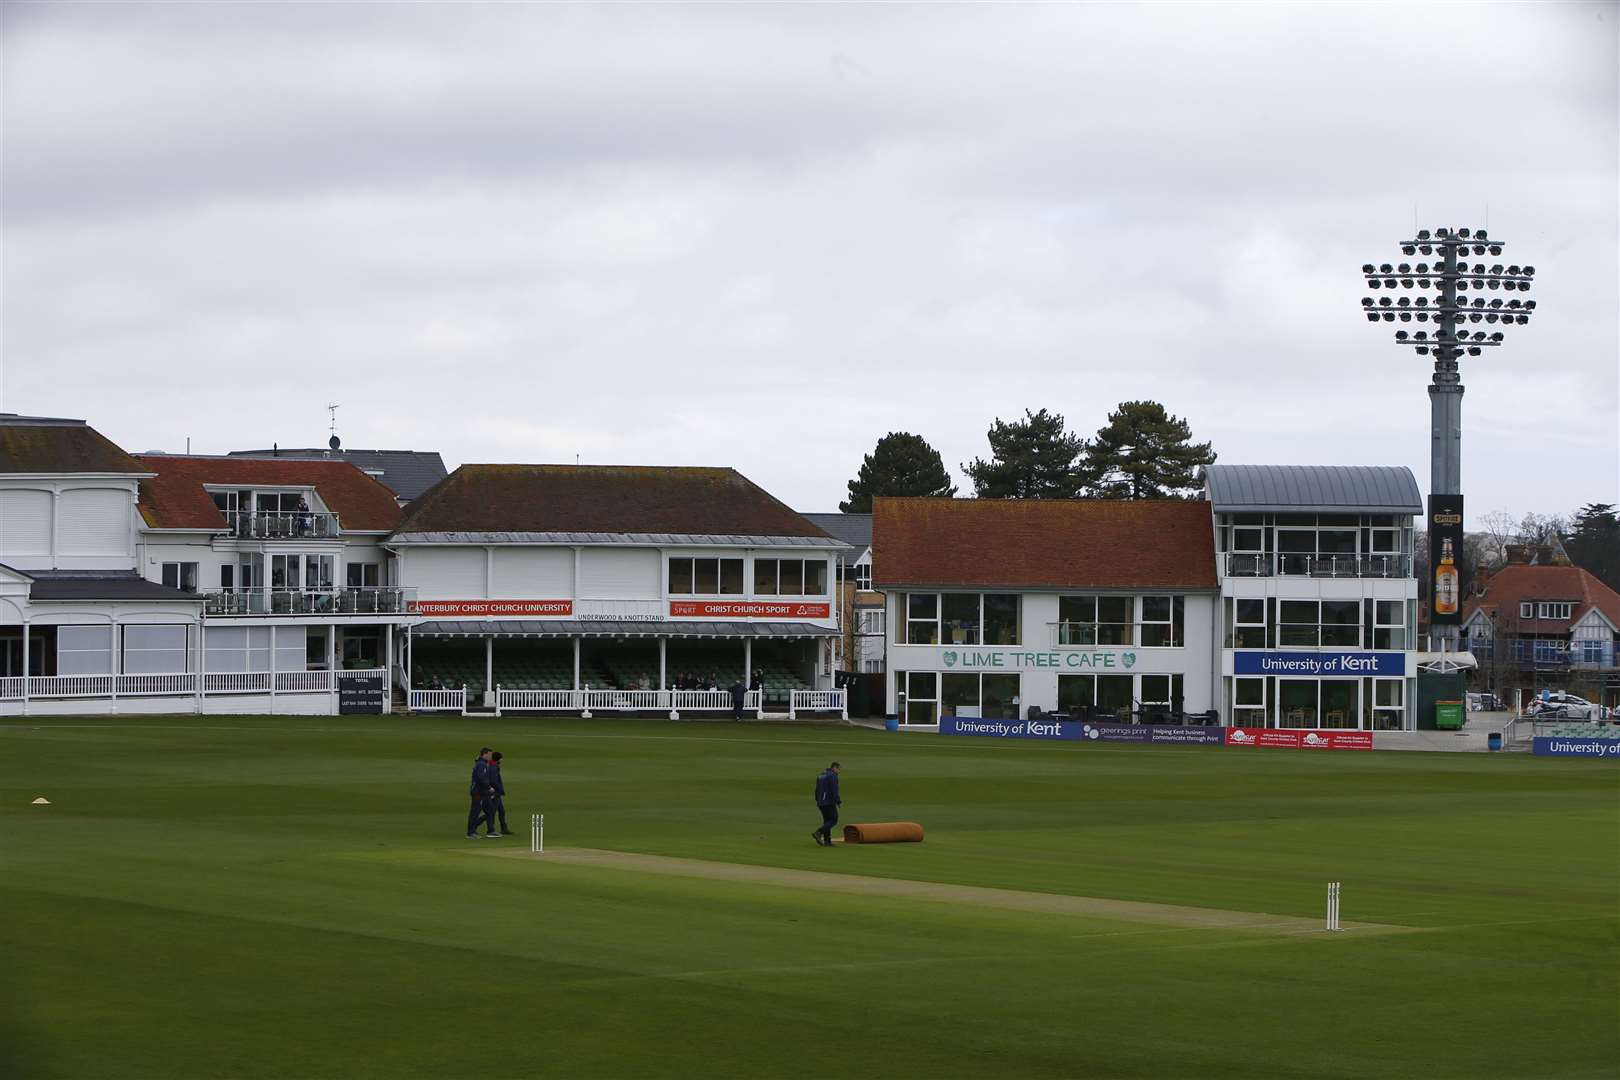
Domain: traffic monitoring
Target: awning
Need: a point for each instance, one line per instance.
(1446, 661)
(551, 628)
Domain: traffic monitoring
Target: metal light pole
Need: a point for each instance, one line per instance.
(1442, 300)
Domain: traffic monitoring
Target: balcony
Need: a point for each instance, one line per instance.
(383, 600)
(1290, 564)
(288, 525)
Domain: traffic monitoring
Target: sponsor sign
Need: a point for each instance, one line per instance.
(1252, 662)
(1068, 730)
(970, 659)
(361, 695)
(748, 609)
(1163, 734)
(1587, 747)
(1445, 548)
(1299, 738)
(495, 607)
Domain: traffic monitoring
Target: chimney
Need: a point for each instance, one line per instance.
(1516, 554)
(1544, 555)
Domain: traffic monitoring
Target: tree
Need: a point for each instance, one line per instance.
(1032, 458)
(900, 464)
(1593, 542)
(1145, 453)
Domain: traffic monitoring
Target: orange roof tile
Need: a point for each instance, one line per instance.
(177, 499)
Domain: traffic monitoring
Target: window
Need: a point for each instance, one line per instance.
(1162, 621)
(961, 613)
(318, 571)
(1162, 690)
(155, 650)
(227, 577)
(1389, 704)
(863, 577)
(315, 648)
(1076, 692)
(84, 650)
(1389, 624)
(1554, 611)
(922, 694)
(360, 652)
(1341, 623)
(180, 575)
(1551, 651)
(1114, 694)
(1246, 623)
(1527, 610)
(792, 577)
(1592, 652)
(367, 575)
(705, 577)
(1095, 620)
(1001, 612)
(1248, 702)
(1297, 625)
(1309, 624)
(922, 618)
(284, 571)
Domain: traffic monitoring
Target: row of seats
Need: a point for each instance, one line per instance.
(456, 666)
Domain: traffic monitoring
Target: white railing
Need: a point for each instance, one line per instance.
(70, 686)
(11, 688)
(282, 525)
(294, 682)
(180, 683)
(537, 700)
(357, 600)
(236, 682)
(819, 701)
(626, 700)
(439, 700)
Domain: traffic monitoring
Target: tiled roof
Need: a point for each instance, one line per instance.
(1043, 544)
(853, 529)
(602, 499)
(176, 498)
(407, 473)
(1515, 583)
(43, 444)
(1387, 489)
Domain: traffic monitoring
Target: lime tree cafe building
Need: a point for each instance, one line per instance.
(1318, 598)
(995, 606)
(583, 588)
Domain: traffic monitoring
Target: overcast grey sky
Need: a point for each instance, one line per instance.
(762, 236)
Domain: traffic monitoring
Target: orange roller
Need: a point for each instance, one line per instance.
(884, 832)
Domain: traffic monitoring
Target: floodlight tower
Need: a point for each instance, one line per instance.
(1442, 301)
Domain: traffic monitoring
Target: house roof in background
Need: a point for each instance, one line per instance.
(1043, 544)
(407, 473)
(176, 499)
(49, 444)
(1515, 583)
(853, 529)
(613, 499)
(1378, 489)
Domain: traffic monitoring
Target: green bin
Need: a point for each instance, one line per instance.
(1448, 715)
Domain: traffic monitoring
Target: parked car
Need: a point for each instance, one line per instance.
(1561, 706)
(1485, 703)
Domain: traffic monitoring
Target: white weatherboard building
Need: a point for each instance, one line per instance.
(163, 584)
(562, 588)
(1318, 596)
(997, 606)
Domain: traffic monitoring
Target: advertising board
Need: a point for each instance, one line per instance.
(1299, 738)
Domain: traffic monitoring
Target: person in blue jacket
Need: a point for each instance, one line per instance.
(828, 802)
(497, 805)
(481, 789)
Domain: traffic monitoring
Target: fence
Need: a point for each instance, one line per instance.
(590, 701)
(818, 701)
(439, 700)
(15, 688)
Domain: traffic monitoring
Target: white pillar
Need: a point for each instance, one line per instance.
(117, 661)
(663, 664)
(27, 673)
(272, 668)
(410, 661)
(576, 662)
(199, 668)
(748, 665)
(489, 663)
(388, 668)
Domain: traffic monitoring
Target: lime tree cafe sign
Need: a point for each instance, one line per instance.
(1004, 660)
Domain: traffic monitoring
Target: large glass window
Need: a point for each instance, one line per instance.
(922, 697)
(1096, 620)
(1162, 621)
(180, 575)
(1248, 629)
(1001, 619)
(1388, 704)
(1249, 702)
(1162, 692)
(1114, 694)
(1296, 624)
(1389, 624)
(958, 695)
(318, 571)
(369, 575)
(1296, 701)
(922, 618)
(1339, 703)
(790, 577)
(1076, 692)
(999, 700)
(705, 577)
(284, 571)
(1341, 623)
(961, 612)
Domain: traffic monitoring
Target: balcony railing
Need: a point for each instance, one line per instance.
(1086, 635)
(367, 600)
(1292, 564)
(589, 701)
(16, 688)
(282, 525)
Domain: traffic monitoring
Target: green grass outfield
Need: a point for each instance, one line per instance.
(289, 897)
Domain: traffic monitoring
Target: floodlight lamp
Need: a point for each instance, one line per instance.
(1389, 316)
(1479, 249)
(1423, 316)
(1405, 268)
(1426, 249)
(1367, 268)
(1514, 270)
(1441, 234)
(1422, 335)
(1474, 316)
(1479, 234)
(1422, 350)
(1496, 268)
(1423, 234)
(1389, 283)
(1406, 316)
(1522, 320)
(1490, 316)
(1463, 233)
(1406, 283)
(1473, 350)
(1408, 249)
(1493, 283)
(1386, 269)
(1529, 305)
(1498, 336)
(1529, 271)
(1496, 303)
(1366, 301)
(1496, 249)
(1372, 283)
(1384, 301)
(1401, 335)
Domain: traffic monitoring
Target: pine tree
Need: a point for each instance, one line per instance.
(1593, 542)
(900, 464)
(1144, 453)
(1032, 458)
